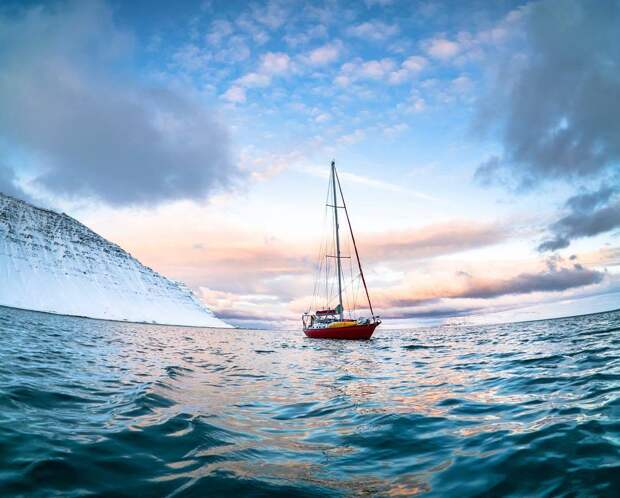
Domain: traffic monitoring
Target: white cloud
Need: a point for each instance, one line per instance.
(415, 63)
(246, 23)
(190, 58)
(418, 104)
(321, 118)
(441, 48)
(272, 15)
(364, 70)
(235, 94)
(301, 38)
(409, 67)
(467, 46)
(381, 69)
(415, 103)
(352, 138)
(399, 76)
(462, 84)
(395, 130)
(271, 64)
(342, 80)
(373, 30)
(235, 50)
(254, 80)
(325, 54)
(219, 30)
(377, 69)
(275, 63)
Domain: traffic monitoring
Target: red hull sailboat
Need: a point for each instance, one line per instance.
(354, 332)
(330, 322)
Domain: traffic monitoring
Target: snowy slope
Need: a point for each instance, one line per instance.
(51, 262)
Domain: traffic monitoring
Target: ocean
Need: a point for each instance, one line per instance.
(95, 408)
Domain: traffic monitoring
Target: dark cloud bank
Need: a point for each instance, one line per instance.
(554, 279)
(589, 214)
(556, 109)
(87, 126)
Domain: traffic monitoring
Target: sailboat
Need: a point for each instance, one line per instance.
(332, 321)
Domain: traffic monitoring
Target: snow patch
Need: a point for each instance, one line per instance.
(51, 262)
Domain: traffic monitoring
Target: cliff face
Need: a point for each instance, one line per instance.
(51, 262)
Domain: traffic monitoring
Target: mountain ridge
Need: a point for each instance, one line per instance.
(53, 263)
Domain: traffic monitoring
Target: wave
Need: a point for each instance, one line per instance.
(111, 409)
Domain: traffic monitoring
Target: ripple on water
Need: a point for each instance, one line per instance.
(91, 407)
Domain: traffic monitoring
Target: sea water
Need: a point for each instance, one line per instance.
(100, 408)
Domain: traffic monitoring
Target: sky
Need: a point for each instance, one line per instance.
(478, 146)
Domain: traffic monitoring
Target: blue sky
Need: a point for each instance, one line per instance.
(476, 141)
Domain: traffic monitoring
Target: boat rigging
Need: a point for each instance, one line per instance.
(330, 322)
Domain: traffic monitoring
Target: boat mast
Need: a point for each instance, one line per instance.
(338, 264)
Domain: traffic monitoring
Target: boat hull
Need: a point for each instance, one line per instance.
(354, 333)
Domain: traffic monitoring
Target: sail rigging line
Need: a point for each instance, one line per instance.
(321, 263)
(336, 228)
(359, 263)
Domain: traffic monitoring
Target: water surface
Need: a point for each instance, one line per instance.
(100, 408)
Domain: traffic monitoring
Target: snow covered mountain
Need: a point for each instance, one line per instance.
(51, 262)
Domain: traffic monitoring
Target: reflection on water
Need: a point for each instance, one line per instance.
(113, 408)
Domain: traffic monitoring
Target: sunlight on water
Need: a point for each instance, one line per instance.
(101, 407)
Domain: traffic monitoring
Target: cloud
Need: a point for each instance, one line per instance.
(242, 261)
(441, 48)
(556, 101)
(273, 14)
(89, 127)
(274, 63)
(465, 47)
(250, 310)
(553, 279)
(233, 51)
(364, 70)
(355, 137)
(385, 69)
(246, 22)
(190, 57)
(9, 183)
(409, 67)
(373, 30)
(461, 84)
(590, 213)
(271, 64)
(254, 80)
(324, 54)
(297, 37)
(375, 69)
(220, 29)
(432, 241)
(414, 63)
(440, 311)
(459, 296)
(235, 94)
(395, 130)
